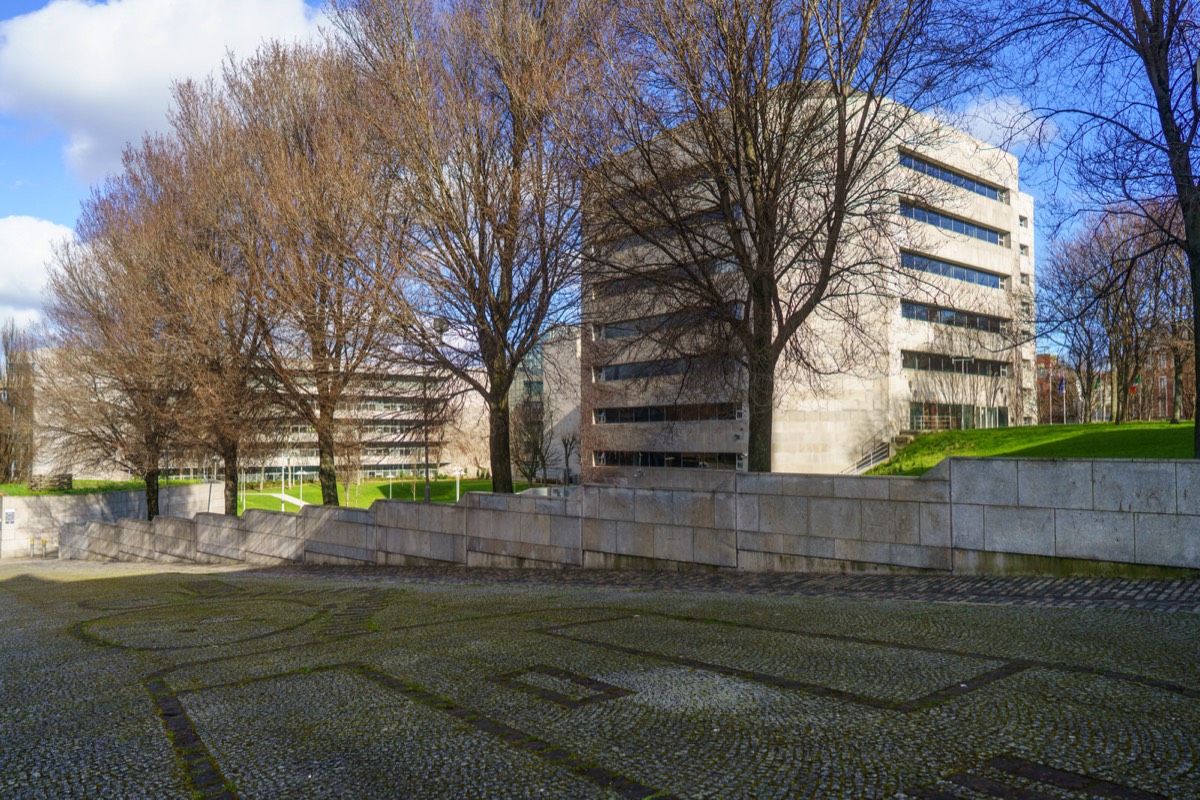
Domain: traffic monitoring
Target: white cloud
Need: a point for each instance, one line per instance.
(1006, 121)
(26, 244)
(101, 72)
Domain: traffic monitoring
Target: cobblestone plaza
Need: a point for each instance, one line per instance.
(141, 681)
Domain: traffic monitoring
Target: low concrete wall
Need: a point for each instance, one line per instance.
(1132, 512)
(43, 516)
(965, 516)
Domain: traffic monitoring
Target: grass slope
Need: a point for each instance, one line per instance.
(1131, 440)
(363, 495)
(86, 487)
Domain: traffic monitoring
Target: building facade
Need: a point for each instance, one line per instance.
(393, 425)
(544, 407)
(951, 333)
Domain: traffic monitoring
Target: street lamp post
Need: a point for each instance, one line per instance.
(212, 478)
(425, 414)
(440, 327)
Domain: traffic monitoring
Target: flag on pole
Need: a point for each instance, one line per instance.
(1136, 381)
(1062, 384)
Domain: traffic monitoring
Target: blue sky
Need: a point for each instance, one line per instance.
(78, 79)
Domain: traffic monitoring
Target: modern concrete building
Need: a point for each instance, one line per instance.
(951, 333)
(547, 385)
(395, 425)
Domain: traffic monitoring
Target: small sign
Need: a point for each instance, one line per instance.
(10, 516)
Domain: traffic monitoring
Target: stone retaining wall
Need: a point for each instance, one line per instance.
(43, 516)
(965, 516)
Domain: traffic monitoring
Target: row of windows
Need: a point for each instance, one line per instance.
(683, 318)
(386, 405)
(390, 451)
(962, 181)
(709, 366)
(955, 416)
(393, 425)
(373, 450)
(688, 412)
(957, 271)
(950, 316)
(938, 362)
(640, 369)
(630, 458)
(616, 286)
(953, 224)
(712, 215)
(633, 327)
(371, 426)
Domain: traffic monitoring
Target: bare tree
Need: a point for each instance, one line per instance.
(349, 453)
(466, 436)
(1067, 298)
(217, 337)
(323, 229)
(533, 446)
(1176, 321)
(483, 107)
(569, 440)
(112, 381)
(17, 444)
(1112, 278)
(1124, 95)
(750, 181)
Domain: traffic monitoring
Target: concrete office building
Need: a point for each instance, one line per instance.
(390, 423)
(951, 334)
(548, 383)
(394, 424)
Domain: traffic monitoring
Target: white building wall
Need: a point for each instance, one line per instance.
(828, 432)
(823, 425)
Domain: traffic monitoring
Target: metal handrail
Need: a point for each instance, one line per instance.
(877, 450)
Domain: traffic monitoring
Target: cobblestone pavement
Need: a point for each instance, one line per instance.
(130, 681)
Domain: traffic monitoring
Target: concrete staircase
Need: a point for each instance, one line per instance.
(882, 447)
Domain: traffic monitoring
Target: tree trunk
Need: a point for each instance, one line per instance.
(230, 457)
(1120, 394)
(151, 478)
(501, 455)
(760, 397)
(1194, 265)
(326, 470)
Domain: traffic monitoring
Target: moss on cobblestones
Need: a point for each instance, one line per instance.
(989, 563)
(167, 682)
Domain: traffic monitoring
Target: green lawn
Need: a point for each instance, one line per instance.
(86, 487)
(1131, 440)
(364, 494)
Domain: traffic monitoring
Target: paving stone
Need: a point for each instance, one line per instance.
(166, 681)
